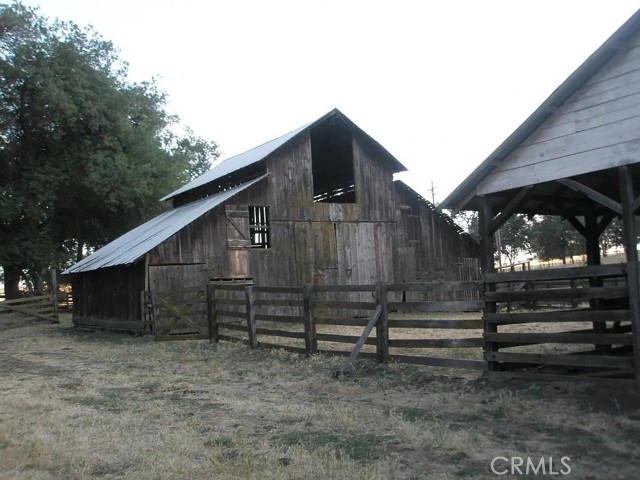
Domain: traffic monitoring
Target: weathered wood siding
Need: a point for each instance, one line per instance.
(200, 242)
(597, 128)
(109, 298)
(171, 277)
(428, 245)
(319, 243)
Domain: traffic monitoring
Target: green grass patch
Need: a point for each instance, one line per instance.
(112, 404)
(219, 442)
(357, 447)
(415, 415)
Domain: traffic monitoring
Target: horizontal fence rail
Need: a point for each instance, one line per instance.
(42, 307)
(423, 331)
(330, 319)
(571, 318)
(549, 332)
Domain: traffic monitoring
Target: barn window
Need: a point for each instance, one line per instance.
(332, 163)
(259, 227)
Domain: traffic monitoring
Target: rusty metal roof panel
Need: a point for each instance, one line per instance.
(134, 244)
(237, 162)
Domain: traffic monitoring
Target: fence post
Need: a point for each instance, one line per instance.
(382, 327)
(310, 339)
(154, 314)
(251, 317)
(143, 311)
(212, 317)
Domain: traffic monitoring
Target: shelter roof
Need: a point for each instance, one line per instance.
(134, 244)
(463, 195)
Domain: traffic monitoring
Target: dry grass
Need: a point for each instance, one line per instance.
(84, 405)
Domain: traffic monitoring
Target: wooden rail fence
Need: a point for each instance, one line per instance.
(575, 298)
(428, 317)
(316, 318)
(576, 320)
(42, 307)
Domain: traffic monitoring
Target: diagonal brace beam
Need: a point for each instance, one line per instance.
(508, 210)
(592, 194)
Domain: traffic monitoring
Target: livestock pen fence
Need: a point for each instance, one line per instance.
(567, 319)
(571, 320)
(329, 318)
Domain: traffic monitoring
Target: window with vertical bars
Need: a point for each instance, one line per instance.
(259, 227)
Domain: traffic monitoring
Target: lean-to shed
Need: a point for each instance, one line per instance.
(577, 156)
(315, 206)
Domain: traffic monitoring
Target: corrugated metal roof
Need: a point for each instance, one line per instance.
(259, 153)
(465, 192)
(134, 244)
(237, 162)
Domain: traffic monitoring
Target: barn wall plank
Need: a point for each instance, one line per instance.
(319, 243)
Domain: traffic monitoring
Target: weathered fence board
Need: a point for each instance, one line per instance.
(562, 360)
(437, 343)
(559, 337)
(42, 307)
(294, 313)
(436, 306)
(581, 315)
(563, 289)
(446, 324)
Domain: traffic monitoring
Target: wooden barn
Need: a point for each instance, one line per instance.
(577, 156)
(318, 205)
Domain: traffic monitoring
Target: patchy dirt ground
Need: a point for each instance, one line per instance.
(80, 405)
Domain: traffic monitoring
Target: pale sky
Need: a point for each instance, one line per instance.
(440, 84)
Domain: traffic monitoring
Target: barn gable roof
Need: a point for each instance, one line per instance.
(261, 152)
(466, 191)
(131, 246)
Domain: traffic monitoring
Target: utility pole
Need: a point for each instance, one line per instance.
(433, 193)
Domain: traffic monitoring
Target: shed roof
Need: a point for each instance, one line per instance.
(134, 244)
(261, 152)
(465, 192)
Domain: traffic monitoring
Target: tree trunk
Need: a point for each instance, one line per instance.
(11, 281)
(79, 252)
(38, 283)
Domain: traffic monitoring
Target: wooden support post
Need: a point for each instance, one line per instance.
(310, 338)
(487, 265)
(143, 309)
(627, 196)
(212, 317)
(154, 314)
(251, 317)
(382, 327)
(592, 238)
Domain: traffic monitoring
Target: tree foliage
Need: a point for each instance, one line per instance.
(553, 237)
(515, 237)
(84, 154)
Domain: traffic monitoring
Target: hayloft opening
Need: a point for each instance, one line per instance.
(259, 227)
(332, 163)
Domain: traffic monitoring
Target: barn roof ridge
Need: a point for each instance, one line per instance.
(262, 151)
(131, 246)
(461, 195)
